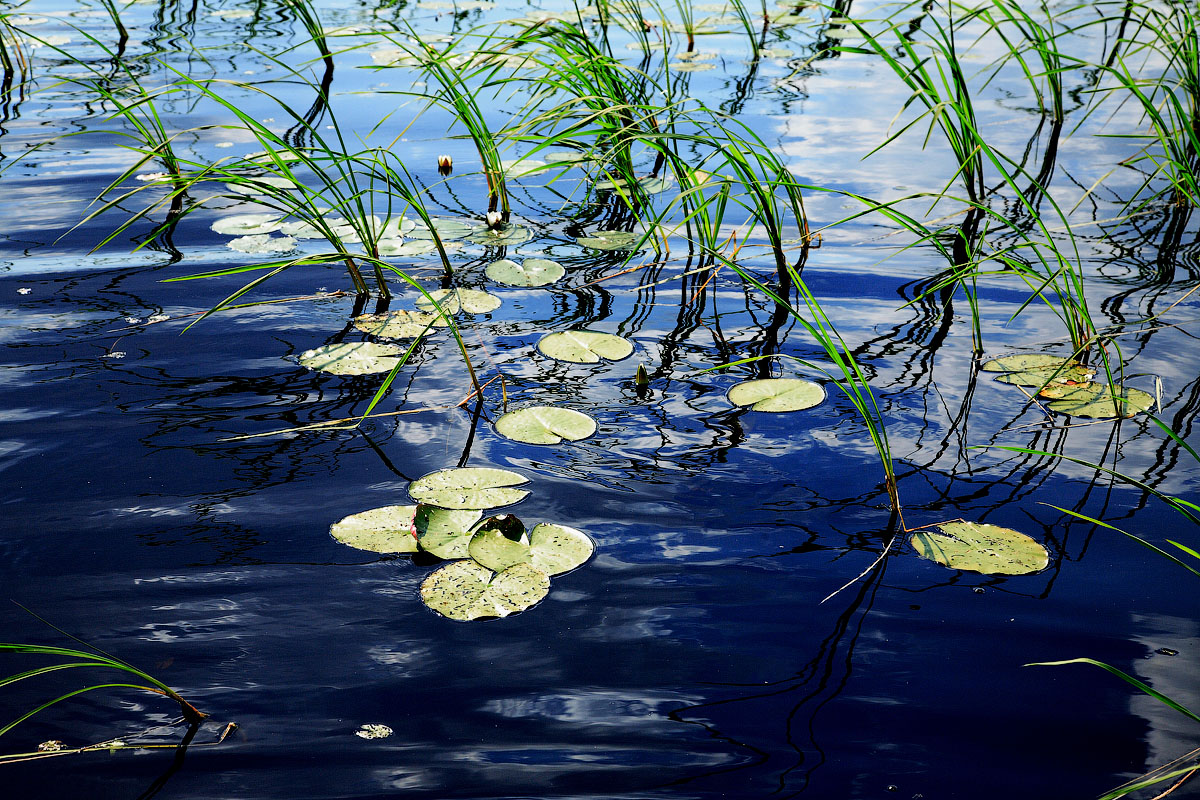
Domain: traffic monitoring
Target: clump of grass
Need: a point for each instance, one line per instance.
(932, 69)
(1182, 555)
(88, 660)
(1166, 85)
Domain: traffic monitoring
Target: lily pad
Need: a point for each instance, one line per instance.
(1077, 392)
(1041, 376)
(609, 240)
(976, 547)
(545, 425)
(406, 249)
(395, 324)
(452, 301)
(567, 157)
(447, 230)
(246, 224)
(469, 487)
(445, 532)
(464, 590)
(1103, 402)
(507, 236)
(777, 394)
(1019, 362)
(531, 272)
(518, 167)
(261, 186)
(397, 529)
(553, 549)
(585, 347)
(692, 66)
(352, 358)
(262, 243)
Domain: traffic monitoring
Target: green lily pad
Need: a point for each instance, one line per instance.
(553, 549)
(247, 224)
(452, 301)
(545, 425)
(352, 358)
(1103, 403)
(692, 66)
(1076, 392)
(532, 272)
(260, 243)
(567, 157)
(1041, 376)
(976, 547)
(585, 347)
(464, 590)
(396, 324)
(261, 186)
(445, 532)
(400, 529)
(506, 236)
(410, 248)
(609, 240)
(519, 167)
(469, 487)
(777, 394)
(1021, 362)
(447, 230)
(388, 529)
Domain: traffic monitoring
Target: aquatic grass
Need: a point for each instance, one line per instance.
(1189, 511)
(1169, 99)
(1033, 37)
(447, 69)
(84, 659)
(939, 85)
(13, 58)
(607, 103)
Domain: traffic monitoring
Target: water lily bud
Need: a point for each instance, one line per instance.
(493, 220)
(445, 165)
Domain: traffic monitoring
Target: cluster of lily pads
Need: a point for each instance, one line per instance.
(496, 567)
(1068, 386)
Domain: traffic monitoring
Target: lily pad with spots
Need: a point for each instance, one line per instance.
(585, 347)
(445, 532)
(1020, 362)
(400, 529)
(519, 167)
(452, 301)
(247, 224)
(545, 425)
(505, 236)
(977, 547)
(352, 358)
(447, 229)
(530, 272)
(469, 487)
(777, 394)
(692, 66)
(261, 243)
(567, 157)
(464, 590)
(401, 324)
(388, 529)
(1100, 401)
(1042, 376)
(609, 240)
(401, 248)
(553, 549)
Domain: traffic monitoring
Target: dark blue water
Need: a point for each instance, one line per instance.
(693, 655)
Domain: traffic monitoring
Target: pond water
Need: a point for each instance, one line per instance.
(692, 656)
